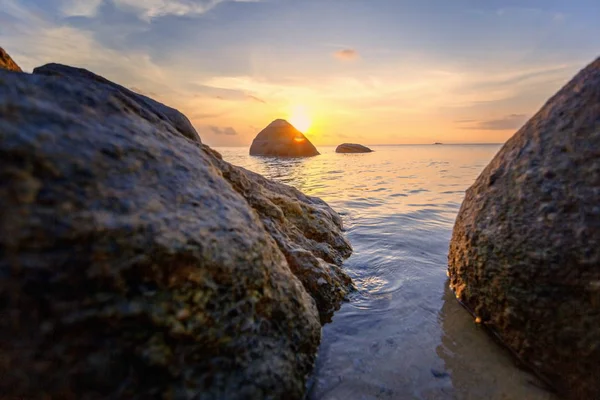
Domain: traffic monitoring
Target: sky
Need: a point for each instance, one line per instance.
(366, 71)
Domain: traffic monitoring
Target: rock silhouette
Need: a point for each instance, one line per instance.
(281, 139)
(352, 148)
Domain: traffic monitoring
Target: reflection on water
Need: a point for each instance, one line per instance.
(402, 335)
(288, 171)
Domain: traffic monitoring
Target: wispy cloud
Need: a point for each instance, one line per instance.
(508, 122)
(143, 92)
(80, 8)
(346, 54)
(228, 131)
(145, 9)
(559, 17)
(257, 99)
(215, 63)
(149, 9)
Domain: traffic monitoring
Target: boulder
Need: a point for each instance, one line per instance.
(6, 62)
(525, 251)
(352, 148)
(281, 139)
(136, 263)
(147, 108)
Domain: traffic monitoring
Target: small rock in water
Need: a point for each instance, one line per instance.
(352, 148)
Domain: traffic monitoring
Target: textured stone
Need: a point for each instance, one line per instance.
(281, 139)
(352, 148)
(6, 62)
(148, 108)
(136, 263)
(525, 251)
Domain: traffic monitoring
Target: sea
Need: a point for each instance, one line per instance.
(402, 334)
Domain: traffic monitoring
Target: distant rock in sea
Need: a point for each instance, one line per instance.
(281, 139)
(525, 251)
(352, 148)
(6, 62)
(136, 263)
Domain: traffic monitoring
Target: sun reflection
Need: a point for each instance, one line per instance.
(300, 118)
(299, 139)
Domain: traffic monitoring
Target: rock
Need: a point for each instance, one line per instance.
(525, 251)
(6, 62)
(149, 109)
(281, 139)
(352, 148)
(136, 263)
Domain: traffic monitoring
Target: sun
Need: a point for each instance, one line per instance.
(300, 118)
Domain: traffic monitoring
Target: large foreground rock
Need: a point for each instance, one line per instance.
(352, 148)
(6, 62)
(136, 263)
(525, 252)
(281, 139)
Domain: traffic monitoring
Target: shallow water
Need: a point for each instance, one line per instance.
(402, 335)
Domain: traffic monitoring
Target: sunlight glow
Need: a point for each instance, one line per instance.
(300, 118)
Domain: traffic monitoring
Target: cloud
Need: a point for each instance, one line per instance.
(144, 9)
(142, 92)
(559, 17)
(80, 8)
(508, 122)
(150, 9)
(346, 54)
(229, 131)
(216, 92)
(208, 115)
(259, 100)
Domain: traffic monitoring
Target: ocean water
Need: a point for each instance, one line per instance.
(402, 335)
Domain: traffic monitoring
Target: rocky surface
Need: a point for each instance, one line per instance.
(148, 109)
(6, 62)
(352, 148)
(281, 139)
(136, 263)
(525, 251)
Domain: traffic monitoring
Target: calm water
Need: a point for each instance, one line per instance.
(402, 335)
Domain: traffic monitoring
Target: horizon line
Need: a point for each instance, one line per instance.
(391, 144)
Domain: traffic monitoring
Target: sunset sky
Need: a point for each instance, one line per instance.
(368, 71)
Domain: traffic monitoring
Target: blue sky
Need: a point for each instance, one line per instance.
(372, 71)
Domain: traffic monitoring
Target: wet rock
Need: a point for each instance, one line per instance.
(281, 139)
(525, 251)
(136, 263)
(6, 62)
(352, 148)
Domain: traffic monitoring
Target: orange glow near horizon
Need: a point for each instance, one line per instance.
(300, 118)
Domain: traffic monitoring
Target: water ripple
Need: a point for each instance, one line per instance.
(401, 335)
